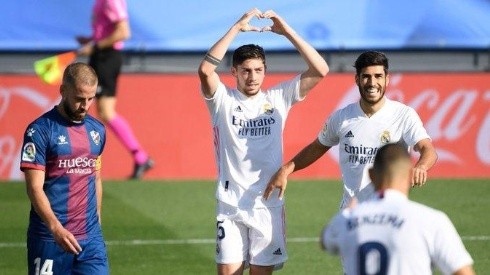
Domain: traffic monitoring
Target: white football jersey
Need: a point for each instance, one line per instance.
(393, 235)
(248, 141)
(359, 137)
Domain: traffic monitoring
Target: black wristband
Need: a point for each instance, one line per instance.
(211, 59)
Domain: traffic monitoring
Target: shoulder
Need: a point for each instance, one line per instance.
(94, 122)
(400, 107)
(44, 122)
(432, 215)
(292, 83)
(345, 112)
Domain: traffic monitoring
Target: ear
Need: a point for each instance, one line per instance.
(387, 79)
(356, 78)
(62, 88)
(233, 71)
(372, 174)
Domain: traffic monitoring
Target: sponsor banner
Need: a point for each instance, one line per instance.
(171, 121)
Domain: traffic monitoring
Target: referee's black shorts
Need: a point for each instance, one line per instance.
(107, 65)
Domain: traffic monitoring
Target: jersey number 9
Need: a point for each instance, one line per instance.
(373, 259)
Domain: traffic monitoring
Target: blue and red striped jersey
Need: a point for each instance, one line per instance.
(69, 153)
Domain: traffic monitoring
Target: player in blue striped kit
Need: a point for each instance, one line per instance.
(61, 161)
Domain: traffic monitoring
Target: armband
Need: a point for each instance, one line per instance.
(211, 59)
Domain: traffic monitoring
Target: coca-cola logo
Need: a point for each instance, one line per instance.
(10, 143)
(454, 108)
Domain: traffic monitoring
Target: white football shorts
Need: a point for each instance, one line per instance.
(256, 236)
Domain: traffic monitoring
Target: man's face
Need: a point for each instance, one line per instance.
(372, 82)
(77, 100)
(249, 75)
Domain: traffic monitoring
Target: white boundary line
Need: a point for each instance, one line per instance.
(212, 241)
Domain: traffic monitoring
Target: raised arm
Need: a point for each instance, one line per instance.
(317, 67)
(427, 159)
(40, 203)
(311, 153)
(207, 69)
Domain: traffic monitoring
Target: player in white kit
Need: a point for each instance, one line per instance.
(360, 129)
(248, 125)
(390, 234)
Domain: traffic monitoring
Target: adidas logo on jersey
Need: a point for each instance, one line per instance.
(277, 252)
(238, 109)
(349, 134)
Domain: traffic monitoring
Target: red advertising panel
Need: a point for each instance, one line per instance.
(171, 121)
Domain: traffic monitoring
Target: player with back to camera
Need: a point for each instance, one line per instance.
(248, 125)
(61, 160)
(390, 234)
(110, 28)
(360, 129)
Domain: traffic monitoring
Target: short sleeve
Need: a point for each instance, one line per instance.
(328, 135)
(414, 130)
(34, 148)
(288, 90)
(214, 103)
(116, 10)
(332, 233)
(450, 253)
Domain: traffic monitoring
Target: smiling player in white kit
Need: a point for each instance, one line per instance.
(248, 126)
(360, 129)
(390, 234)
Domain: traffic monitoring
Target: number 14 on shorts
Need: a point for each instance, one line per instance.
(45, 269)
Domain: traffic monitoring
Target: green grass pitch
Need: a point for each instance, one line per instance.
(168, 227)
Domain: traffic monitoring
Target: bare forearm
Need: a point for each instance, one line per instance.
(220, 48)
(41, 205)
(308, 155)
(426, 161)
(316, 64)
(428, 158)
(98, 191)
(217, 51)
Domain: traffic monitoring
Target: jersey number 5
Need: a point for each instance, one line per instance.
(220, 230)
(373, 259)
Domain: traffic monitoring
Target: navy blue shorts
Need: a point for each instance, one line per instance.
(107, 64)
(47, 256)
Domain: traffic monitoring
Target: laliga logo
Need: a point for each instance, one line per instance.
(450, 117)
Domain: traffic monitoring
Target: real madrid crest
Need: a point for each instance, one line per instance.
(268, 109)
(385, 137)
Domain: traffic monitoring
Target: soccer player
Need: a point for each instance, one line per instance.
(110, 29)
(360, 129)
(391, 234)
(61, 161)
(248, 125)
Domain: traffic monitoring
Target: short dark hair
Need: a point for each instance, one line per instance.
(389, 154)
(249, 51)
(371, 58)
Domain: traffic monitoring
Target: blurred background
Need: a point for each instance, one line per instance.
(439, 53)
